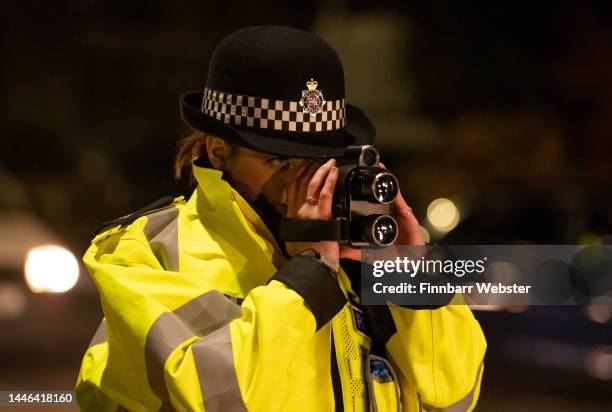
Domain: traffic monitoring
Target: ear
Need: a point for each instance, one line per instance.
(216, 149)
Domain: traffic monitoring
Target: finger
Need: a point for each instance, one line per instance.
(305, 181)
(303, 173)
(307, 174)
(406, 219)
(317, 181)
(292, 190)
(306, 178)
(299, 168)
(350, 253)
(407, 222)
(327, 193)
(310, 171)
(400, 207)
(300, 182)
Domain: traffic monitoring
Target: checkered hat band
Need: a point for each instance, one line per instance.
(258, 112)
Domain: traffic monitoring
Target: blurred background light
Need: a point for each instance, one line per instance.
(598, 363)
(425, 234)
(443, 214)
(51, 269)
(600, 311)
(589, 238)
(13, 301)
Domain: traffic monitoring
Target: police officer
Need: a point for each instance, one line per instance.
(204, 309)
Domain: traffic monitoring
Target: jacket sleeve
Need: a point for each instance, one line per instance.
(437, 350)
(439, 353)
(172, 342)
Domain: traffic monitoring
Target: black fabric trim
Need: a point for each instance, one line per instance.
(446, 253)
(380, 327)
(335, 377)
(314, 281)
(353, 270)
(306, 230)
(237, 301)
(379, 322)
(158, 204)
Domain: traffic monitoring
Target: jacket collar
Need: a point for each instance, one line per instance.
(217, 197)
(220, 208)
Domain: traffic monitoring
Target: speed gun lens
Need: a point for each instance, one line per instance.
(374, 187)
(375, 229)
(385, 187)
(384, 230)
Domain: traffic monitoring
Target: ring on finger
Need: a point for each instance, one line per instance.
(312, 200)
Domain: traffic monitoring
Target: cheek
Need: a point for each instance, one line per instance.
(275, 188)
(253, 173)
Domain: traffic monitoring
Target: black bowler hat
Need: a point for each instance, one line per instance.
(277, 90)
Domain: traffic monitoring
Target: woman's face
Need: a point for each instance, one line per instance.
(262, 174)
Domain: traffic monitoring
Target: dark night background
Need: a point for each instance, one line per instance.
(503, 108)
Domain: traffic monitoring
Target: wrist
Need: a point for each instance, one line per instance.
(333, 264)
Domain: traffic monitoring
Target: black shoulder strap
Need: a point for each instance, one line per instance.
(158, 204)
(312, 230)
(378, 319)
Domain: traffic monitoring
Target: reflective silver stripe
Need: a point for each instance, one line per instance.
(100, 335)
(198, 317)
(462, 404)
(162, 230)
(215, 365)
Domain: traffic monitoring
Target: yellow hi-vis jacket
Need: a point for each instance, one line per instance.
(202, 312)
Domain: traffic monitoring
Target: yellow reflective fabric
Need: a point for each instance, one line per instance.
(208, 312)
(439, 353)
(384, 391)
(351, 349)
(385, 396)
(217, 238)
(279, 358)
(173, 341)
(135, 291)
(467, 403)
(90, 379)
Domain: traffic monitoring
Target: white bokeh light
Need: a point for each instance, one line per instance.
(51, 269)
(443, 214)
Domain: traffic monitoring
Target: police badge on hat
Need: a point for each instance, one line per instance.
(312, 100)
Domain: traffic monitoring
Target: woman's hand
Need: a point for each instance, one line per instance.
(309, 196)
(409, 231)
